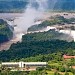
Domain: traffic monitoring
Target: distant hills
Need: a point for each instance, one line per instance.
(20, 5)
(12, 6)
(65, 5)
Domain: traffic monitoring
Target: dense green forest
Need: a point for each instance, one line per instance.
(49, 35)
(28, 48)
(44, 51)
(39, 43)
(5, 32)
(54, 59)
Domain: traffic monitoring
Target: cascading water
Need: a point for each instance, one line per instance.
(29, 16)
(69, 32)
(33, 12)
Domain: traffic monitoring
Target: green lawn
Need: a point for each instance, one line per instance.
(50, 72)
(54, 64)
(62, 73)
(70, 73)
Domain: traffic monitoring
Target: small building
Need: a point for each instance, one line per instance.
(68, 57)
(73, 67)
(23, 66)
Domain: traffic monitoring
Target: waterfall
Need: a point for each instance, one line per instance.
(34, 10)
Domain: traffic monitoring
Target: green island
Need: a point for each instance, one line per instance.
(5, 32)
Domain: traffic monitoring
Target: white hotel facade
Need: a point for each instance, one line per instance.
(23, 66)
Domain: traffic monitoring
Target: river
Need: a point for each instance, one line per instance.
(12, 16)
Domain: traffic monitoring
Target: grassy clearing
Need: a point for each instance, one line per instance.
(62, 73)
(50, 72)
(70, 73)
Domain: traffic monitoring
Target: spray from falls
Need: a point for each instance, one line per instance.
(34, 11)
(69, 32)
(29, 16)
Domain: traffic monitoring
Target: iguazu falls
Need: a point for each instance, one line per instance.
(37, 37)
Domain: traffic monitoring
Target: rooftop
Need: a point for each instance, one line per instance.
(68, 57)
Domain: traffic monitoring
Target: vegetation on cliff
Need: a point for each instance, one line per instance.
(5, 31)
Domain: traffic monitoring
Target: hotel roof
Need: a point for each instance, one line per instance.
(68, 57)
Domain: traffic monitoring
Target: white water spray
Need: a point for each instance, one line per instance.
(69, 32)
(29, 16)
